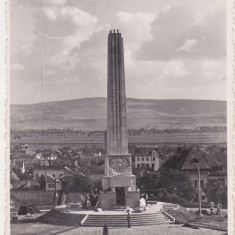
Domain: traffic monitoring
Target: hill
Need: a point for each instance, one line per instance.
(90, 114)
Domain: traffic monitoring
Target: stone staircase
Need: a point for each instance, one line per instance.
(119, 208)
(141, 219)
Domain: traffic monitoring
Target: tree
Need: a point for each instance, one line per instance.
(42, 182)
(144, 183)
(177, 183)
(186, 191)
(215, 191)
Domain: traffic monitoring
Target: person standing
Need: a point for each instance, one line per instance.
(105, 230)
(84, 201)
(211, 204)
(218, 207)
(92, 198)
(128, 218)
(146, 198)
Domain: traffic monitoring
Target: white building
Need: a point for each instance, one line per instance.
(54, 171)
(147, 162)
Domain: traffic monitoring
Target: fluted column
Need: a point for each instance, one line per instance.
(117, 138)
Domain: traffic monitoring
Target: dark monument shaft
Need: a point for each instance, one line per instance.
(117, 137)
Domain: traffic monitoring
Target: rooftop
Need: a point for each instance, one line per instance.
(188, 159)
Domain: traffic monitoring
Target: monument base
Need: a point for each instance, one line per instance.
(123, 192)
(119, 190)
(111, 182)
(108, 200)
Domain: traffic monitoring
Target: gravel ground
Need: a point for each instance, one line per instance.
(46, 229)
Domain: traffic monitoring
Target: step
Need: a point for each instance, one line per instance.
(124, 219)
(97, 221)
(121, 220)
(140, 220)
(125, 225)
(124, 216)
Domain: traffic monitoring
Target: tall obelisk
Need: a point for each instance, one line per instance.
(118, 183)
(117, 137)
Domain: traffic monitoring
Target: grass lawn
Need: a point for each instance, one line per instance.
(214, 221)
(183, 216)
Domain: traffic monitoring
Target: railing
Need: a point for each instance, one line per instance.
(84, 219)
(169, 216)
(97, 203)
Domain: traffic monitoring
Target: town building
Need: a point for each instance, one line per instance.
(20, 165)
(53, 170)
(51, 181)
(149, 162)
(25, 148)
(211, 162)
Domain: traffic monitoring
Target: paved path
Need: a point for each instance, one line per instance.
(148, 230)
(79, 210)
(46, 229)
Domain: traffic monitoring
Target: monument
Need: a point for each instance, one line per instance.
(118, 183)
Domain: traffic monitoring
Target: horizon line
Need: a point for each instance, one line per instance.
(95, 97)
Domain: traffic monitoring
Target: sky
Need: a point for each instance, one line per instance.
(174, 49)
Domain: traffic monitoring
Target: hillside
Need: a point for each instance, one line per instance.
(90, 114)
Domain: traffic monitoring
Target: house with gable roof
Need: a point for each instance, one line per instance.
(51, 181)
(211, 161)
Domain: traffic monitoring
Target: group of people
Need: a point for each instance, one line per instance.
(94, 197)
(91, 199)
(212, 207)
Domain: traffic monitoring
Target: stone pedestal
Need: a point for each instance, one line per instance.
(119, 181)
(132, 199)
(107, 200)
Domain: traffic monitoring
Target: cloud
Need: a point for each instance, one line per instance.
(17, 67)
(58, 31)
(177, 33)
(64, 21)
(188, 46)
(136, 27)
(41, 3)
(175, 68)
(213, 69)
(57, 2)
(174, 53)
(155, 73)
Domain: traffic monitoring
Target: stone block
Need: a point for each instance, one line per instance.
(132, 199)
(105, 182)
(107, 200)
(120, 181)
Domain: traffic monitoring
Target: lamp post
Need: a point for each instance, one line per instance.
(199, 186)
(55, 194)
(199, 189)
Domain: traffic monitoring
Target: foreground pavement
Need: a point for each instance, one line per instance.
(46, 229)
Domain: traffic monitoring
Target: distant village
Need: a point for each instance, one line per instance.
(166, 172)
